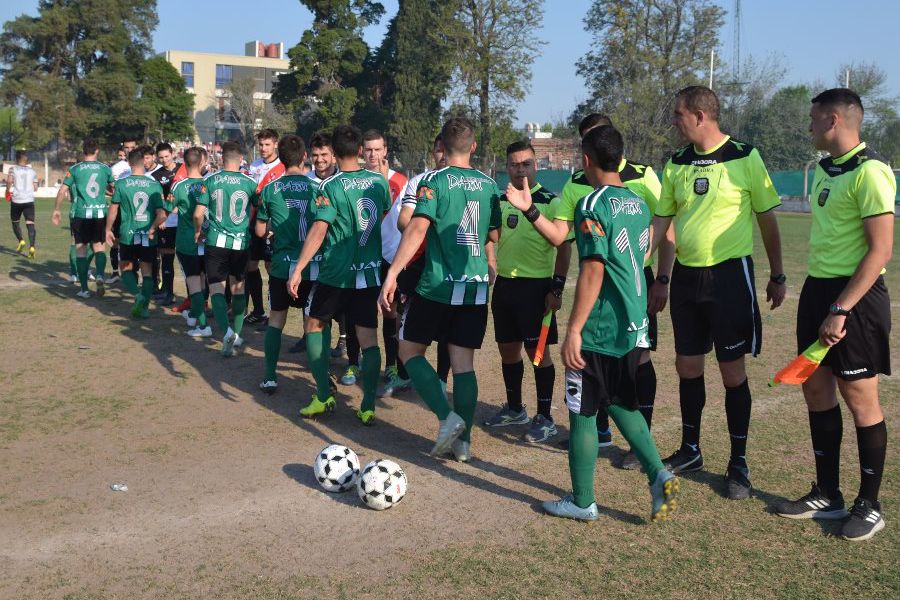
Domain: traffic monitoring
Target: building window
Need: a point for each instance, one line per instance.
(223, 76)
(187, 72)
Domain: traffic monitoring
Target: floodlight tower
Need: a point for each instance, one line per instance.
(736, 40)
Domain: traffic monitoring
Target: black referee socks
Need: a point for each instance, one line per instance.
(692, 397)
(872, 444)
(826, 429)
(737, 411)
(512, 381)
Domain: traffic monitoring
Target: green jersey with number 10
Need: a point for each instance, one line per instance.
(229, 197)
(138, 198)
(288, 204)
(612, 225)
(87, 182)
(463, 205)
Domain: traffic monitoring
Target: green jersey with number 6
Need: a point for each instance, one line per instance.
(87, 182)
(184, 197)
(612, 225)
(229, 196)
(463, 205)
(139, 198)
(288, 204)
(353, 204)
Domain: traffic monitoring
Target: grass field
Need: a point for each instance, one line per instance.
(222, 502)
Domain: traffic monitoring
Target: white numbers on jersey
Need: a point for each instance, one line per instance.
(238, 196)
(467, 232)
(365, 212)
(92, 188)
(140, 201)
(623, 243)
(301, 208)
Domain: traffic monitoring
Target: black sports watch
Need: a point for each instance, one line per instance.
(779, 279)
(663, 279)
(837, 309)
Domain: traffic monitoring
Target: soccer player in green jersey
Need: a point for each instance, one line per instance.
(458, 209)
(608, 329)
(347, 232)
(137, 203)
(87, 182)
(531, 276)
(286, 210)
(183, 200)
(845, 305)
(227, 206)
(711, 190)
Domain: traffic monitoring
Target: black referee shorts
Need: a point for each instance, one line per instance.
(715, 306)
(604, 381)
(518, 307)
(865, 350)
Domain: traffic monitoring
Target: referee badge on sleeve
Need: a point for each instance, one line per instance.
(823, 196)
(701, 185)
(512, 221)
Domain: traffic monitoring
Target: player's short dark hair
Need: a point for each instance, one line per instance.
(373, 134)
(346, 140)
(320, 139)
(163, 146)
(20, 154)
(90, 146)
(192, 157)
(231, 152)
(146, 150)
(291, 150)
(519, 146)
(593, 120)
(267, 134)
(129, 138)
(136, 157)
(700, 98)
(203, 151)
(437, 139)
(458, 135)
(839, 98)
(604, 146)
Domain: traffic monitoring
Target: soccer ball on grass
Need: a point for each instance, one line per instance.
(382, 484)
(336, 468)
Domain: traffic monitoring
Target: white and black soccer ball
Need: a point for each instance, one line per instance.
(382, 484)
(336, 468)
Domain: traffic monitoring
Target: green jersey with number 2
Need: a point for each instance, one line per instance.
(138, 198)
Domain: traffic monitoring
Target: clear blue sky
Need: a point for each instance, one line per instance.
(812, 37)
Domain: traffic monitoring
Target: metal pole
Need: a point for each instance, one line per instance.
(712, 59)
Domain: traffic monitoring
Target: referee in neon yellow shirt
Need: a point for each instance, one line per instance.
(711, 189)
(845, 305)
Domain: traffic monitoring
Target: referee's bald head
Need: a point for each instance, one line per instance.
(842, 101)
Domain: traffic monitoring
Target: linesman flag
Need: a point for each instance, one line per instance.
(542, 340)
(799, 369)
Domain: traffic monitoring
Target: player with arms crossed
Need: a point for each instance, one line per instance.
(87, 182)
(286, 208)
(22, 184)
(458, 209)
(227, 204)
(845, 305)
(347, 232)
(137, 205)
(608, 329)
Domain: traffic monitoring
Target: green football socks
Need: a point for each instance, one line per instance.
(197, 305)
(238, 308)
(100, 262)
(427, 384)
(220, 311)
(129, 280)
(583, 447)
(371, 370)
(317, 354)
(465, 398)
(634, 429)
(272, 350)
(73, 266)
(147, 289)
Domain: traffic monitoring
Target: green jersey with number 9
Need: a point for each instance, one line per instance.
(87, 182)
(463, 205)
(288, 204)
(139, 198)
(230, 195)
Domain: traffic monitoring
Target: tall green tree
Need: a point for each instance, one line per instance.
(319, 88)
(780, 129)
(73, 68)
(643, 52)
(166, 108)
(881, 123)
(496, 43)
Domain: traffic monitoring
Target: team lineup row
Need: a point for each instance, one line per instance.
(345, 242)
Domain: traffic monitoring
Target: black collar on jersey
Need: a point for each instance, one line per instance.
(539, 195)
(730, 150)
(630, 172)
(851, 164)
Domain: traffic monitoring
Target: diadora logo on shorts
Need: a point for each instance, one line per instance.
(854, 371)
(357, 184)
(625, 205)
(470, 184)
(701, 185)
(738, 345)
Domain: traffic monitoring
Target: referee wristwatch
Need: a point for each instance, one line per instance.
(779, 279)
(838, 310)
(663, 279)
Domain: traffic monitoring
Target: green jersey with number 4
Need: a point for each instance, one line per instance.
(613, 225)
(229, 196)
(288, 204)
(353, 204)
(139, 198)
(463, 205)
(184, 197)
(87, 182)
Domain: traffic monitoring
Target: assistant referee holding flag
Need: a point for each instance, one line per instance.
(845, 304)
(711, 188)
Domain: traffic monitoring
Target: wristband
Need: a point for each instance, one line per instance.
(557, 283)
(532, 214)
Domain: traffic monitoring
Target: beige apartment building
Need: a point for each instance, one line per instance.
(208, 75)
